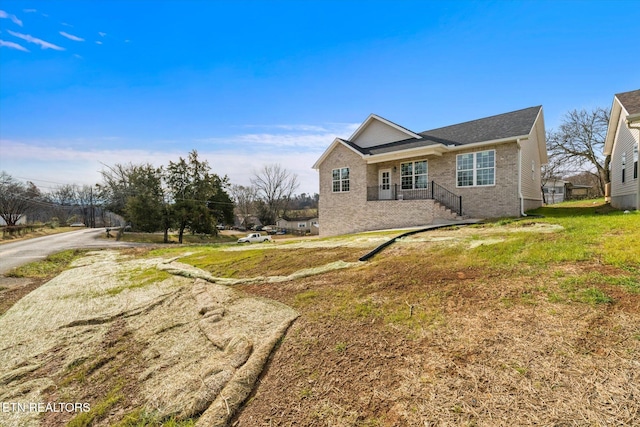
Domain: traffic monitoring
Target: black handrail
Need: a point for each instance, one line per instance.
(446, 197)
(433, 191)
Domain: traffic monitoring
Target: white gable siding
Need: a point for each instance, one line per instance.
(530, 179)
(377, 133)
(530, 168)
(624, 193)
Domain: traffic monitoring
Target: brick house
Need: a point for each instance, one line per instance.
(386, 176)
(623, 138)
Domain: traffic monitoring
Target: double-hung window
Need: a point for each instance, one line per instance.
(476, 169)
(624, 165)
(414, 175)
(340, 179)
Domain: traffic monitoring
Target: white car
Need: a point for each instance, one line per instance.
(255, 238)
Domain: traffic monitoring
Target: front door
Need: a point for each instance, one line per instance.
(384, 184)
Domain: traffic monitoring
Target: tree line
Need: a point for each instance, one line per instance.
(60, 205)
(184, 195)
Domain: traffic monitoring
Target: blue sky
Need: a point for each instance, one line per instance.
(254, 82)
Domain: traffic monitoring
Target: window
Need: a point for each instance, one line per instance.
(340, 180)
(414, 175)
(635, 161)
(624, 164)
(302, 225)
(476, 169)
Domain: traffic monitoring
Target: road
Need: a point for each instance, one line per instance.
(24, 251)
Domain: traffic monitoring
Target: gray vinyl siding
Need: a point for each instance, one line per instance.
(624, 194)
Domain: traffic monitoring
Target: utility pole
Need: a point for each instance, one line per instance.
(92, 217)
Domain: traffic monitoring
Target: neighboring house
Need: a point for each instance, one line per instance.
(302, 225)
(578, 191)
(241, 221)
(554, 191)
(623, 137)
(559, 191)
(386, 176)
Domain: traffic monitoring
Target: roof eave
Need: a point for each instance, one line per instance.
(335, 142)
(633, 118)
(612, 128)
(431, 150)
(490, 142)
(437, 149)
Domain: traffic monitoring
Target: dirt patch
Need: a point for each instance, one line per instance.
(402, 343)
(14, 288)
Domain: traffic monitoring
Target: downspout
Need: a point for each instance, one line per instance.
(520, 179)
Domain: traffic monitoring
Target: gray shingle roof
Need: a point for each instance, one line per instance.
(501, 126)
(630, 101)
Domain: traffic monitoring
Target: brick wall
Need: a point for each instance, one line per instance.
(349, 212)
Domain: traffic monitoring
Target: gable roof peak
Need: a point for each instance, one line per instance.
(374, 117)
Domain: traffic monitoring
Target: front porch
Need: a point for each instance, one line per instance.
(431, 191)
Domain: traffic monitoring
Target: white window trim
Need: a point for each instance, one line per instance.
(341, 180)
(413, 174)
(475, 170)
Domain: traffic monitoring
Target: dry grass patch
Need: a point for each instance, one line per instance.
(411, 339)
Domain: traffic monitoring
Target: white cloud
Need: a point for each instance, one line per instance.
(13, 45)
(98, 42)
(102, 34)
(43, 160)
(71, 37)
(279, 140)
(295, 147)
(29, 10)
(312, 137)
(43, 44)
(13, 18)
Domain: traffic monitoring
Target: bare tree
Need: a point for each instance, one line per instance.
(275, 186)
(245, 199)
(579, 143)
(64, 202)
(16, 199)
(116, 187)
(85, 200)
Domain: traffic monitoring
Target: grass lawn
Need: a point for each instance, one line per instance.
(534, 321)
(528, 322)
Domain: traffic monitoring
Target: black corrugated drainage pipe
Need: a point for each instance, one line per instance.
(420, 230)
